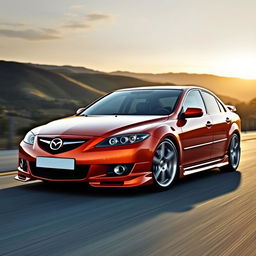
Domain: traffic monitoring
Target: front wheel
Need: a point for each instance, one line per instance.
(234, 153)
(165, 164)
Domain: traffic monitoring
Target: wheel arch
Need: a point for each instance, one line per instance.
(234, 130)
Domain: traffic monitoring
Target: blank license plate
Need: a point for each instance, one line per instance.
(55, 163)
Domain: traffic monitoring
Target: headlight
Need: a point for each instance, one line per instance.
(123, 140)
(29, 138)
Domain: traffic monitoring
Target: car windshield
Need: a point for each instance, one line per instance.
(136, 102)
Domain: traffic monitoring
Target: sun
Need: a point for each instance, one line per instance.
(241, 66)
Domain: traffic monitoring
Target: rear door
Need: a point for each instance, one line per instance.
(221, 124)
(196, 137)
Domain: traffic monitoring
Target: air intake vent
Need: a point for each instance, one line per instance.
(80, 172)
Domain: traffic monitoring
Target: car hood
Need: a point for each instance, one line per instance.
(95, 125)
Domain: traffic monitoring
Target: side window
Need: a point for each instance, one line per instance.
(222, 109)
(211, 104)
(194, 100)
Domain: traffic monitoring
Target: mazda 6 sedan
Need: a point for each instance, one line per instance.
(134, 137)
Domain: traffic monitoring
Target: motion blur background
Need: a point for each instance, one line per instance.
(51, 52)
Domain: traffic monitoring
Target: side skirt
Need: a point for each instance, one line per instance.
(206, 166)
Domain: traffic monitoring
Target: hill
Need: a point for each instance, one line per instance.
(108, 82)
(97, 79)
(25, 88)
(229, 88)
(65, 68)
(33, 89)
(116, 80)
(37, 91)
(243, 89)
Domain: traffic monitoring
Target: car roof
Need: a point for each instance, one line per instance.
(162, 87)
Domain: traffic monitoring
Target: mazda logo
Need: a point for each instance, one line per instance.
(56, 144)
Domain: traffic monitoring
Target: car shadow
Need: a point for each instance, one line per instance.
(183, 196)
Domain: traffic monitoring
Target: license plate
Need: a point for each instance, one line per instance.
(55, 163)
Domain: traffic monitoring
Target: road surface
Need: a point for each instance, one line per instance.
(210, 213)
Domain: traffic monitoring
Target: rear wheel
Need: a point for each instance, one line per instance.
(165, 164)
(234, 153)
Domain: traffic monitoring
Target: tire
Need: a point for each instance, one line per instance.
(165, 165)
(234, 154)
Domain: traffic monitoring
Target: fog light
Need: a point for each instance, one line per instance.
(120, 169)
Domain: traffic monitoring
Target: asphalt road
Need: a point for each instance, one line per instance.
(210, 213)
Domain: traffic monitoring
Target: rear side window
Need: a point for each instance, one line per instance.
(222, 109)
(194, 100)
(211, 103)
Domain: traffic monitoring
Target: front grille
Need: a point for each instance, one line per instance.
(80, 172)
(67, 144)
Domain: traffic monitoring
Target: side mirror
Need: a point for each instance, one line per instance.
(79, 111)
(231, 108)
(192, 112)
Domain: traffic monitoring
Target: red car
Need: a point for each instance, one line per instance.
(133, 137)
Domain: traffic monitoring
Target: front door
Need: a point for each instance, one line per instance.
(197, 136)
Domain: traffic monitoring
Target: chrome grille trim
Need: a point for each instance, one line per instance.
(67, 144)
(48, 141)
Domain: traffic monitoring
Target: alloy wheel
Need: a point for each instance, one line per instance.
(165, 163)
(234, 151)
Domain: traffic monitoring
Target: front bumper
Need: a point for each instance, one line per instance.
(96, 162)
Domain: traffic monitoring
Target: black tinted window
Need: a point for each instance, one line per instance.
(193, 100)
(137, 102)
(211, 103)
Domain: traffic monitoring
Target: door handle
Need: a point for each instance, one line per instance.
(228, 120)
(208, 124)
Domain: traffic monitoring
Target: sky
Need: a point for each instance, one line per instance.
(157, 36)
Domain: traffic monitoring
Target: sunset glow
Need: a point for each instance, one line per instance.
(213, 37)
(240, 66)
